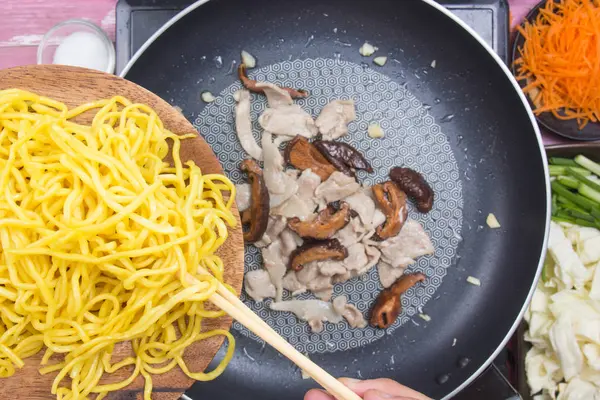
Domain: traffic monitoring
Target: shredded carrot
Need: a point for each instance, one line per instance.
(560, 60)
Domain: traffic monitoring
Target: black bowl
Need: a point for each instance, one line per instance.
(568, 128)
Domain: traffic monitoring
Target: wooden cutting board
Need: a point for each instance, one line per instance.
(75, 86)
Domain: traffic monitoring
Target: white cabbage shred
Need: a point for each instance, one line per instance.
(564, 318)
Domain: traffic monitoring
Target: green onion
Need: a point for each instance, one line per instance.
(562, 200)
(563, 219)
(588, 164)
(557, 170)
(562, 161)
(583, 179)
(580, 215)
(575, 190)
(583, 222)
(573, 208)
(564, 214)
(569, 182)
(582, 171)
(590, 193)
(581, 201)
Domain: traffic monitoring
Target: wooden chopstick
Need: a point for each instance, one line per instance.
(233, 306)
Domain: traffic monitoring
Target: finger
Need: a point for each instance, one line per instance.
(373, 394)
(317, 394)
(383, 385)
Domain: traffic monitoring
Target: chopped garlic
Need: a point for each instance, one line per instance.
(380, 61)
(375, 131)
(453, 342)
(179, 110)
(433, 63)
(367, 49)
(492, 221)
(474, 281)
(208, 97)
(425, 317)
(248, 59)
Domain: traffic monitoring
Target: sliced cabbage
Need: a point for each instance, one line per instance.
(569, 268)
(564, 342)
(564, 318)
(578, 389)
(541, 371)
(589, 250)
(591, 351)
(595, 288)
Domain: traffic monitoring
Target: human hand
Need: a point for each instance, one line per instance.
(373, 389)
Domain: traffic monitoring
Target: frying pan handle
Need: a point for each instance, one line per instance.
(490, 385)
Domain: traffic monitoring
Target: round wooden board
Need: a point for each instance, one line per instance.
(74, 86)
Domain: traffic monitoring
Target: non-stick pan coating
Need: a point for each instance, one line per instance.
(492, 137)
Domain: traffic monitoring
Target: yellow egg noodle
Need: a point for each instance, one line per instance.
(101, 243)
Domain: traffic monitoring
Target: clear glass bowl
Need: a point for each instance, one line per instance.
(54, 37)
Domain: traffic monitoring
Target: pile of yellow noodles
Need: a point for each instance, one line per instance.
(101, 242)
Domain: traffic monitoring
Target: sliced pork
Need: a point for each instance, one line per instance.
(258, 285)
(276, 96)
(290, 241)
(334, 118)
(388, 274)
(373, 256)
(402, 249)
(243, 126)
(275, 226)
(332, 268)
(336, 187)
(357, 257)
(277, 181)
(352, 233)
(315, 312)
(288, 120)
(276, 200)
(294, 207)
(311, 277)
(275, 264)
(243, 196)
(364, 206)
(349, 312)
(292, 284)
(302, 204)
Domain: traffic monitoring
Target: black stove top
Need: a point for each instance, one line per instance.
(137, 20)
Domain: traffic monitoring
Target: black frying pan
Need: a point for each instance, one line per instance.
(493, 138)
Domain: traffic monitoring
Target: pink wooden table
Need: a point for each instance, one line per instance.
(24, 22)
